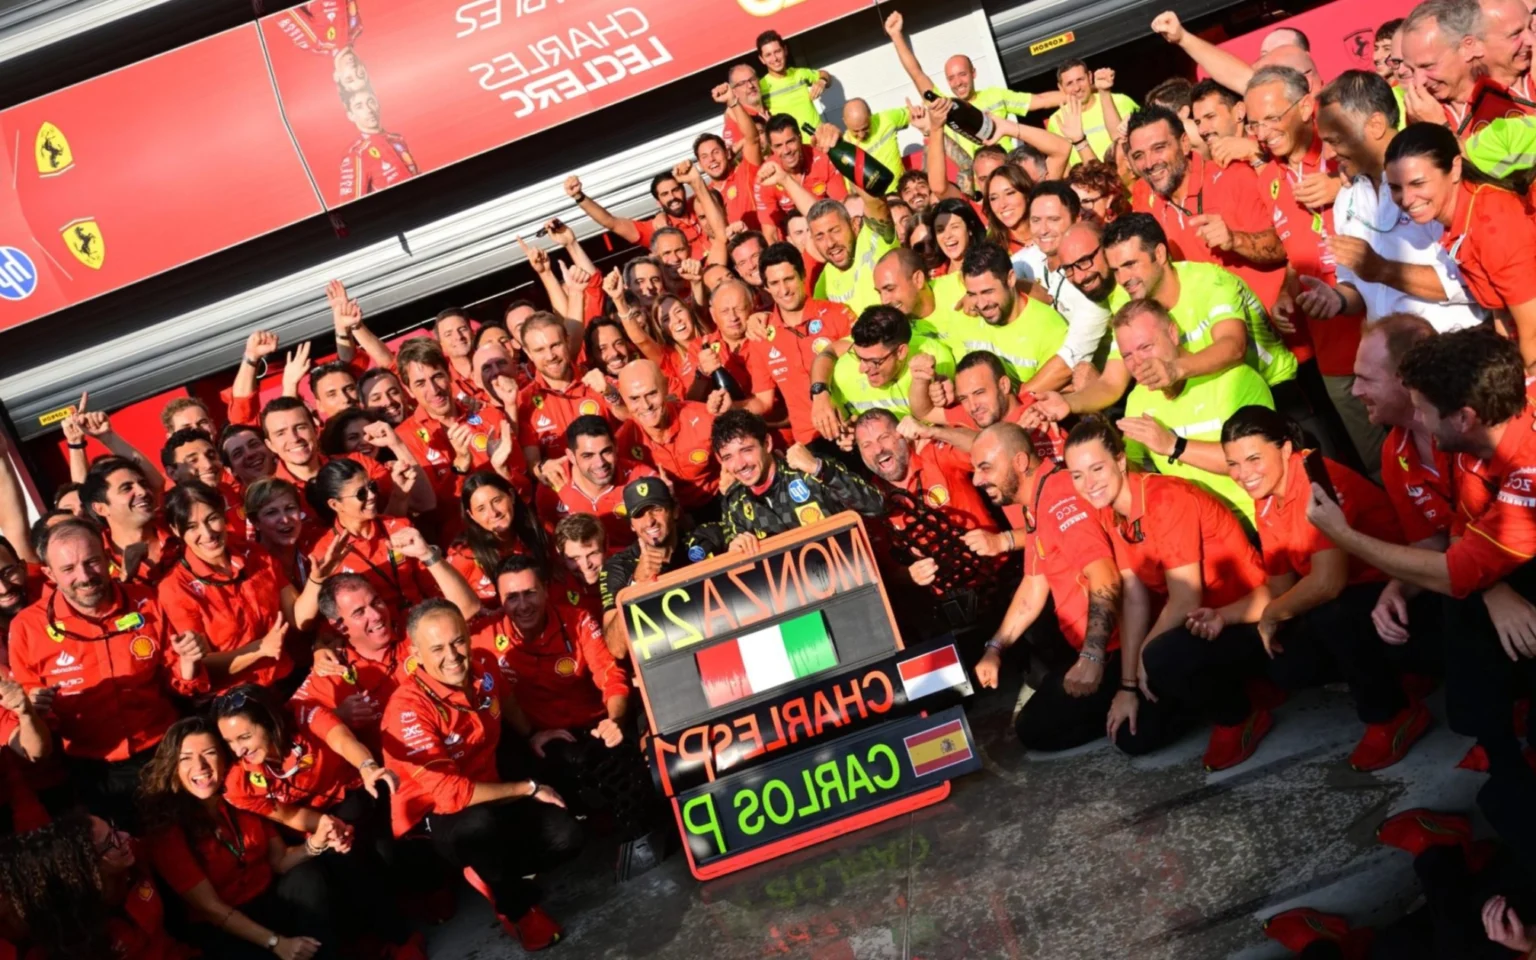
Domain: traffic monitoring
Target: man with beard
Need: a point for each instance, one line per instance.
(743, 91)
(659, 547)
(557, 395)
(118, 495)
(984, 394)
(103, 659)
(590, 479)
(797, 331)
(189, 455)
(931, 508)
(669, 434)
(742, 255)
(699, 220)
(1025, 334)
(1386, 262)
(288, 429)
(1301, 184)
(1468, 391)
(902, 282)
(1210, 213)
(1068, 560)
(446, 439)
(793, 163)
(774, 494)
(882, 368)
(1053, 208)
(1219, 116)
(19, 586)
(443, 730)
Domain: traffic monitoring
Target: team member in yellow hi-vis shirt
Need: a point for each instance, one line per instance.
(850, 246)
(960, 74)
(933, 307)
(1177, 427)
(1097, 114)
(1023, 332)
(878, 372)
(875, 133)
(786, 89)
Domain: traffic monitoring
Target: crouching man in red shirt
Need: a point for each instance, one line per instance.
(441, 730)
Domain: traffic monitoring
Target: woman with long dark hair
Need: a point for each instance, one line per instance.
(1006, 202)
(249, 894)
(388, 551)
(276, 512)
(234, 594)
(1488, 230)
(496, 526)
(1319, 614)
(78, 891)
(665, 335)
(303, 768)
(952, 228)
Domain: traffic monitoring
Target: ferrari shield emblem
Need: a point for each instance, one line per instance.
(52, 151)
(84, 240)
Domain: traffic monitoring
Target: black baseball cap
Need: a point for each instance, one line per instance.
(647, 492)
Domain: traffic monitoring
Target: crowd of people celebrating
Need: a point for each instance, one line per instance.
(1180, 406)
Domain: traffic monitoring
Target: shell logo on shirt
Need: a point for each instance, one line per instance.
(142, 647)
(699, 456)
(588, 408)
(938, 495)
(481, 442)
(809, 514)
(619, 511)
(565, 666)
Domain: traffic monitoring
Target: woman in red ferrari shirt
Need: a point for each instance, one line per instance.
(666, 337)
(496, 526)
(343, 497)
(1321, 597)
(276, 512)
(236, 596)
(242, 884)
(1489, 231)
(78, 890)
(287, 773)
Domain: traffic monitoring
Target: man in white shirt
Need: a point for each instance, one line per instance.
(1053, 208)
(1385, 261)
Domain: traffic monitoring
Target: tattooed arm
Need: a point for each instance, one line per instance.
(1103, 614)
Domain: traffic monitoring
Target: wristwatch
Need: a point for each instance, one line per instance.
(433, 558)
(272, 942)
(817, 389)
(533, 785)
(1179, 443)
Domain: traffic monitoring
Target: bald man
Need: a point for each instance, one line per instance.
(728, 350)
(903, 282)
(960, 74)
(1283, 36)
(1506, 37)
(1067, 558)
(671, 435)
(875, 133)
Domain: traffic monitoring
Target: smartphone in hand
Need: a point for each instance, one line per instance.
(1317, 472)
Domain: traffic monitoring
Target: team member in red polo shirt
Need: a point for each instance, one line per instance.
(233, 595)
(796, 331)
(456, 336)
(121, 497)
(289, 430)
(984, 394)
(693, 217)
(1211, 214)
(1300, 184)
(243, 451)
(387, 550)
(557, 395)
(1489, 231)
(728, 349)
(1320, 596)
(447, 438)
(306, 770)
(580, 548)
(594, 477)
(671, 435)
(1469, 391)
(732, 178)
(111, 660)
(191, 455)
(230, 867)
(442, 728)
(356, 678)
(1414, 470)
(1067, 560)
(1182, 554)
(800, 162)
(495, 526)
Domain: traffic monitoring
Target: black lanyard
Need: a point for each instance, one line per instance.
(236, 580)
(1029, 513)
(57, 632)
(393, 578)
(235, 845)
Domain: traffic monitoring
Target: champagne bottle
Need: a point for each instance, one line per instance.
(867, 173)
(965, 119)
(724, 381)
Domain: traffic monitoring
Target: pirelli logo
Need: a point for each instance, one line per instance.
(1051, 43)
(54, 416)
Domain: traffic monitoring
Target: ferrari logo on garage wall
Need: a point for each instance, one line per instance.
(52, 151)
(83, 237)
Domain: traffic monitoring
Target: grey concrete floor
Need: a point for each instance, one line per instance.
(1068, 856)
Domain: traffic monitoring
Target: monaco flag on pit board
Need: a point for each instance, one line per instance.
(933, 671)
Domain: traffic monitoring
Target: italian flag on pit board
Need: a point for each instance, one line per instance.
(764, 659)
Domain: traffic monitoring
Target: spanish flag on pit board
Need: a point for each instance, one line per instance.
(933, 750)
(764, 659)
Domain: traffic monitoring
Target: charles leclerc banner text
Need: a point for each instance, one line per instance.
(1341, 34)
(207, 146)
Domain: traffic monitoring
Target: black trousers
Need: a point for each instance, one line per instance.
(109, 789)
(504, 843)
(1053, 719)
(595, 778)
(1337, 640)
(300, 903)
(1449, 925)
(364, 881)
(1193, 679)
